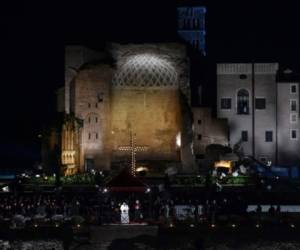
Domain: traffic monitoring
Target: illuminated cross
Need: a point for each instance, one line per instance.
(133, 148)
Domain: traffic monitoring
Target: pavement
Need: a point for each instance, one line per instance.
(117, 236)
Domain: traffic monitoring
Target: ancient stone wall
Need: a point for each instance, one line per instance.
(154, 117)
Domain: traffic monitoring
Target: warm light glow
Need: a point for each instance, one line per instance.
(139, 169)
(223, 164)
(178, 140)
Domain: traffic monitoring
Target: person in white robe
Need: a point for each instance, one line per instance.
(124, 213)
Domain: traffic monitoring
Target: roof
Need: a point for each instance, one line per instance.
(125, 182)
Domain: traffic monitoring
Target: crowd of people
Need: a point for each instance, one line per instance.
(99, 208)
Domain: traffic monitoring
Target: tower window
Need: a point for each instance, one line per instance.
(96, 105)
(244, 135)
(199, 137)
(89, 136)
(243, 102)
(269, 136)
(225, 103)
(294, 118)
(96, 119)
(96, 135)
(199, 122)
(100, 97)
(243, 76)
(293, 105)
(293, 88)
(260, 103)
(89, 119)
(294, 134)
(89, 105)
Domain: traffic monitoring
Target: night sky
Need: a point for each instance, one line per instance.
(33, 36)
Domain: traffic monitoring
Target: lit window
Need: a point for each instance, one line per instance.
(294, 134)
(293, 88)
(294, 118)
(260, 103)
(244, 135)
(269, 136)
(243, 102)
(225, 103)
(293, 104)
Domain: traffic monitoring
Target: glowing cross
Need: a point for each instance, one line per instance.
(133, 148)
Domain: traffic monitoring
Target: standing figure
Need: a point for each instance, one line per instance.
(124, 213)
(137, 211)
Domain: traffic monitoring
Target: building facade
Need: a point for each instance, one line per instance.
(136, 92)
(207, 130)
(261, 110)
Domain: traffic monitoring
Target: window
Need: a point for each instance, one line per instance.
(293, 88)
(269, 136)
(199, 137)
(260, 103)
(96, 105)
(89, 119)
(89, 136)
(96, 119)
(225, 103)
(89, 105)
(294, 134)
(293, 105)
(199, 122)
(96, 135)
(293, 118)
(244, 135)
(100, 97)
(243, 102)
(243, 76)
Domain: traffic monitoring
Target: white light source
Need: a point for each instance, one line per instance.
(178, 139)
(148, 190)
(105, 190)
(235, 174)
(5, 189)
(37, 176)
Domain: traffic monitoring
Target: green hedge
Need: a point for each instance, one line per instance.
(86, 179)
